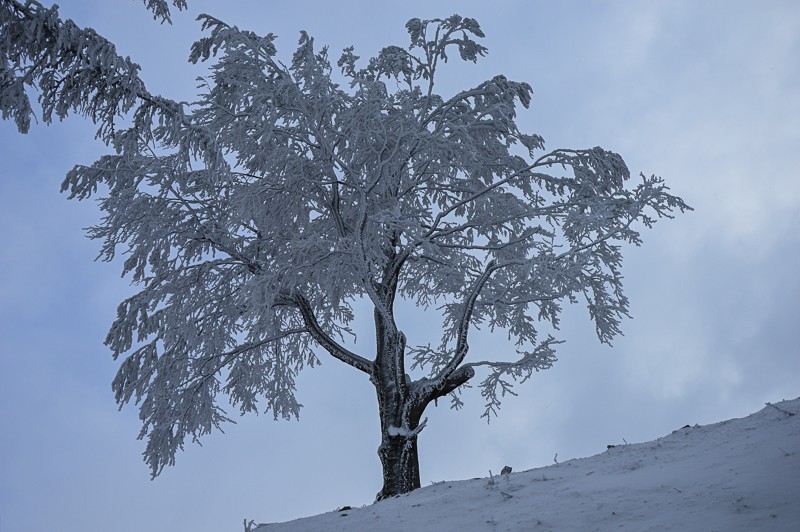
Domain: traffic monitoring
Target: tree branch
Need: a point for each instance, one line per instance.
(335, 349)
(463, 326)
(230, 355)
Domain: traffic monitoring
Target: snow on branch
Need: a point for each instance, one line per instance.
(74, 69)
(496, 385)
(405, 432)
(160, 8)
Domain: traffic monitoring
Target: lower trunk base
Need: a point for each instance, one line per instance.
(400, 463)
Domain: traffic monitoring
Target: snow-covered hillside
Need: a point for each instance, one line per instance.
(737, 475)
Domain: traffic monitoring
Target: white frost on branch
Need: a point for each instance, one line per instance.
(406, 432)
(160, 8)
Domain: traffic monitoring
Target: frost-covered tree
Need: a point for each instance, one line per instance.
(254, 219)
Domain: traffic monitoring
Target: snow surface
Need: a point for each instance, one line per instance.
(737, 475)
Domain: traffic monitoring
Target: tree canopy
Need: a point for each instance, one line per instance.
(254, 218)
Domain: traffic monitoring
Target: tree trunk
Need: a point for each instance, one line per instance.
(400, 410)
(401, 405)
(400, 462)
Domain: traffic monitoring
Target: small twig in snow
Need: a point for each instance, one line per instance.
(555, 459)
(252, 525)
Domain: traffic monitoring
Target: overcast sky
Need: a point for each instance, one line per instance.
(703, 93)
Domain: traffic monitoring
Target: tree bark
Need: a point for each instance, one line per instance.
(399, 460)
(400, 410)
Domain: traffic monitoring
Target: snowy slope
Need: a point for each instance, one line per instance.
(737, 475)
